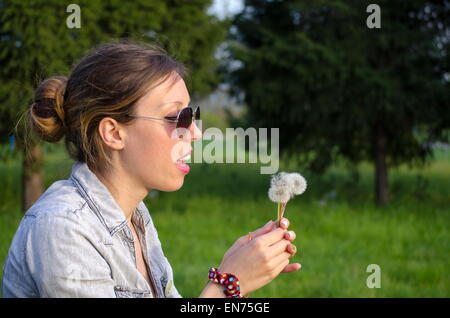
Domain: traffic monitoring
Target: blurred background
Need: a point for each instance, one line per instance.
(361, 98)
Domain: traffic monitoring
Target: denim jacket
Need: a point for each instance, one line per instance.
(75, 242)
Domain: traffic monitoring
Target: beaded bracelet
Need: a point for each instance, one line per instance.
(231, 283)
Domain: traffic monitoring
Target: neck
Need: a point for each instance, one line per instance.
(126, 192)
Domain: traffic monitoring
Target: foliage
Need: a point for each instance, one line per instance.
(35, 42)
(314, 69)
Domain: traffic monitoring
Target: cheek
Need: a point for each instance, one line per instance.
(148, 157)
(146, 148)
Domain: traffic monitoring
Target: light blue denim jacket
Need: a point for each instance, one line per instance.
(75, 242)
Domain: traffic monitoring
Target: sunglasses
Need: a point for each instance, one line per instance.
(183, 119)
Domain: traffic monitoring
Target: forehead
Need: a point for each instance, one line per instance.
(172, 89)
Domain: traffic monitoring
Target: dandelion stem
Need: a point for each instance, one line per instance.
(283, 208)
(278, 213)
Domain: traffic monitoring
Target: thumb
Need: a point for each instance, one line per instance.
(265, 229)
(251, 235)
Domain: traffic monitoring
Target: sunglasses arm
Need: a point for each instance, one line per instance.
(139, 116)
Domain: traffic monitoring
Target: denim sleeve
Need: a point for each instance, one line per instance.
(65, 260)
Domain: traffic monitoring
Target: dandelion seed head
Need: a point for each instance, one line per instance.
(297, 183)
(279, 194)
(284, 186)
(280, 180)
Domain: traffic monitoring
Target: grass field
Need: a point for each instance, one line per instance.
(339, 229)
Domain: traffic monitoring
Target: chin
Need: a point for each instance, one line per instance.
(173, 186)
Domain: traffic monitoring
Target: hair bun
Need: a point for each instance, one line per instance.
(47, 109)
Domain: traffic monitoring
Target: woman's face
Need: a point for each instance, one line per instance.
(152, 147)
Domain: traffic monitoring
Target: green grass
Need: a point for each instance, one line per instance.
(339, 229)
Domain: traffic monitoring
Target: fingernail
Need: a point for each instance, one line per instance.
(291, 234)
(294, 248)
(284, 222)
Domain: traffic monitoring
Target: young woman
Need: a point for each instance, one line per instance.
(124, 114)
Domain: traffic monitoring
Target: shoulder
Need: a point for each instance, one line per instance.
(61, 198)
(55, 227)
(61, 227)
(59, 213)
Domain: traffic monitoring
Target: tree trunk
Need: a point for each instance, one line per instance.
(32, 182)
(381, 169)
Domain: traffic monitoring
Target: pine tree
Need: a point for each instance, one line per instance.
(337, 88)
(35, 43)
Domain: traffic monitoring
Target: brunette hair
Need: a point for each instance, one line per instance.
(107, 82)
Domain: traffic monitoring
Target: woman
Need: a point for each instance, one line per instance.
(123, 112)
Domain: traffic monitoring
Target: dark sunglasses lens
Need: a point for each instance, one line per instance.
(185, 118)
(197, 113)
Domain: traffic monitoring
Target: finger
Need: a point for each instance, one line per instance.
(278, 248)
(265, 229)
(271, 237)
(284, 223)
(292, 268)
(290, 235)
(279, 259)
(251, 235)
(281, 267)
(292, 249)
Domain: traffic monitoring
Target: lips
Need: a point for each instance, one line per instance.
(184, 168)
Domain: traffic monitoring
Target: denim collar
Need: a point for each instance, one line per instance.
(99, 198)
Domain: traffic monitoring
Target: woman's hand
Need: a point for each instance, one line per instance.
(257, 258)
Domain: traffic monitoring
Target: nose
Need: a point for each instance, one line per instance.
(196, 131)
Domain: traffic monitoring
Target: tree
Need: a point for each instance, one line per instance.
(35, 42)
(337, 88)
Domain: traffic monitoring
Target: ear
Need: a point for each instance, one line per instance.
(112, 133)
